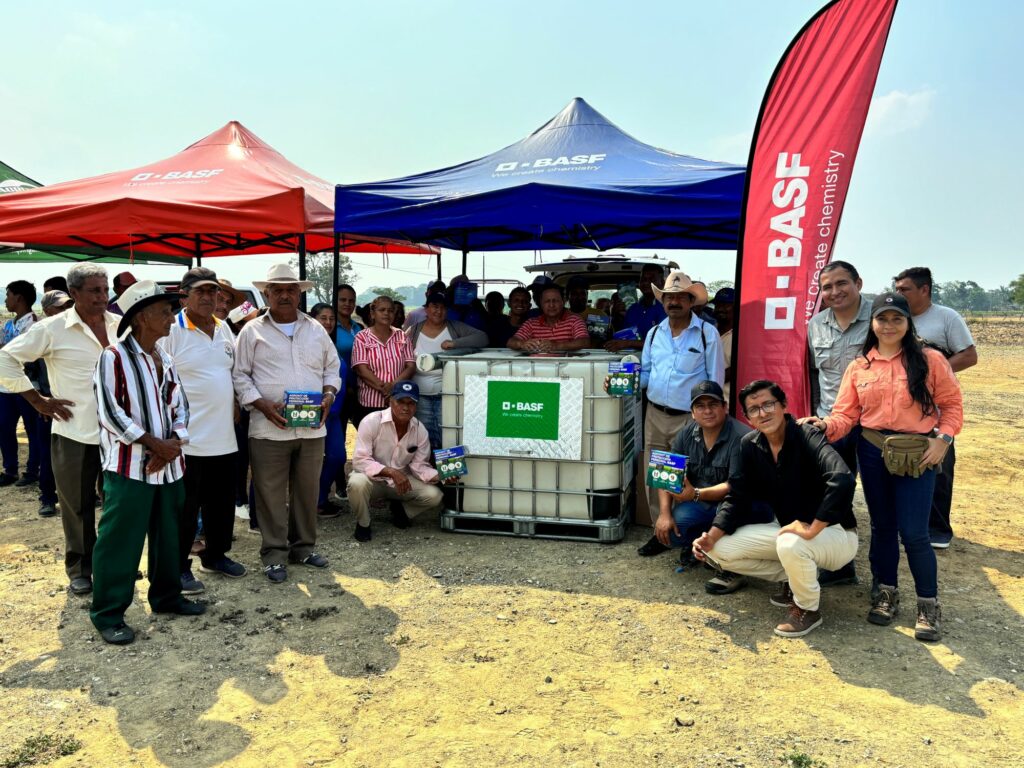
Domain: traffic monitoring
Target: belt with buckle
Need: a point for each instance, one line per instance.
(669, 411)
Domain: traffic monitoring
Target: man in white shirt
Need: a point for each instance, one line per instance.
(392, 461)
(203, 348)
(940, 327)
(70, 344)
(285, 350)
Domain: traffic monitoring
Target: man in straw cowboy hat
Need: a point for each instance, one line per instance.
(679, 352)
(143, 416)
(285, 349)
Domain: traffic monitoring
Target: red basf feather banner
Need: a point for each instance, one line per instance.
(801, 160)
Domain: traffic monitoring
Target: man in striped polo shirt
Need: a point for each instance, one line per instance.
(143, 417)
(556, 330)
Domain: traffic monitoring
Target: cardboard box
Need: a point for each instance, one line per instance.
(666, 471)
(451, 462)
(623, 379)
(302, 409)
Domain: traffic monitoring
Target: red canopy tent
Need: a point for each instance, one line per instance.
(227, 194)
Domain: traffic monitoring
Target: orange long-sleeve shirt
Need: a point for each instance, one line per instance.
(875, 393)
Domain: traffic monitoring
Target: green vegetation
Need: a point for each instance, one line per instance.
(802, 760)
(42, 749)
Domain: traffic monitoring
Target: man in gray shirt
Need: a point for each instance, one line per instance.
(834, 338)
(943, 328)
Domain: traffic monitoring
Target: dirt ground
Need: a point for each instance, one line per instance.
(428, 648)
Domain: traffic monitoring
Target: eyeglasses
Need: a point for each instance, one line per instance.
(766, 408)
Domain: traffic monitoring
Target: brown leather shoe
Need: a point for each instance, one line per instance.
(799, 622)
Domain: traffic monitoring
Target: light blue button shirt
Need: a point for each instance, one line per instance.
(670, 367)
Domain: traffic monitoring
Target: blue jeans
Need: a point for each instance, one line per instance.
(899, 508)
(334, 455)
(428, 411)
(12, 408)
(692, 518)
(47, 485)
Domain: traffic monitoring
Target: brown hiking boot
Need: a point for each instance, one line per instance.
(884, 606)
(929, 616)
(783, 598)
(799, 622)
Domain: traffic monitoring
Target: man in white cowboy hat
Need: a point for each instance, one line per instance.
(143, 416)
(285, 349)
(679, 352)
(70, 344)
(203, 348)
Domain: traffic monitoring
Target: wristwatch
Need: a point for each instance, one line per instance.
(696, 494)
(947, 439)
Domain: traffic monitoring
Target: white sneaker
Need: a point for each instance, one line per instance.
(242, 511)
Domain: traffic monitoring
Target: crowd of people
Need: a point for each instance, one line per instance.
(169, 408)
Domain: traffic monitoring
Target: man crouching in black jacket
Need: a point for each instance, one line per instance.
(788, 512)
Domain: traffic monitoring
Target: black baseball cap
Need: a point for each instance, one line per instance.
(707, 389)
(198, 276)
(887, 301)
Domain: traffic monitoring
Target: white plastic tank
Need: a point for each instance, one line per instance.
(577, 485)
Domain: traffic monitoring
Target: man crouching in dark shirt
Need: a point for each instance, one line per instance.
(788, 511)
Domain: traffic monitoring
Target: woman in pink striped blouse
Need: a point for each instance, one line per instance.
(381, 355)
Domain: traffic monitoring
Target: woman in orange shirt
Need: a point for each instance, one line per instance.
(896, 386)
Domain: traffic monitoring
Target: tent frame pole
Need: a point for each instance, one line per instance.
(302, 268)
(199, 251)
(335, 279)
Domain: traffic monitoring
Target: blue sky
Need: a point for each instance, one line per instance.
(358, 92)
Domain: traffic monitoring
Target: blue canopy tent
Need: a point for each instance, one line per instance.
(578, 181)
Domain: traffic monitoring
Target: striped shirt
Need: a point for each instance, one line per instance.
(133, 403)
(568, 327)
(385, 359)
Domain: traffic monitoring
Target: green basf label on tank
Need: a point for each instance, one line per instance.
(522, 409)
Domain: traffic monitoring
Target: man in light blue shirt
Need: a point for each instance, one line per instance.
(679, 352)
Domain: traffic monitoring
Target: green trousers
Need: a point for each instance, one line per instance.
(131, 511)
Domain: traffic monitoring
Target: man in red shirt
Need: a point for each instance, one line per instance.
(556, 330)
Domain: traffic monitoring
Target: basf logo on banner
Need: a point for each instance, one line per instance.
(588, 162)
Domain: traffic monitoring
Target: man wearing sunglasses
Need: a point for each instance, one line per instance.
(788, 512)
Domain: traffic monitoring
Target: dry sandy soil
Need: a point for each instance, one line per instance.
(428, 648)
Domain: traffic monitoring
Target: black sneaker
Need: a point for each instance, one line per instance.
(652, 547)
(845, 575)
(184, 608)
(47, 510)
(929, 617)
(80, 586)
(190, 585)
(783, 598)
(885, 605)
(26, 479)
(313, 560)
(122, 634)
(940, 539)
(276, 573)
(328, 511)
(225, 566)
(6, 479)
(362, 533)
(725, 583)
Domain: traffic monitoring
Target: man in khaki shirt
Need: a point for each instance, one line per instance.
(70, 344)
(285, 349)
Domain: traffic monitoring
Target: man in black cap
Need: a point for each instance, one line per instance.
(143, 416)
(392, 461)
(203, 348)
(711, 444)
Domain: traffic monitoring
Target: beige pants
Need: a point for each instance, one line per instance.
(759, 551)
(660, 430)
(286, 477)
(362, 491)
